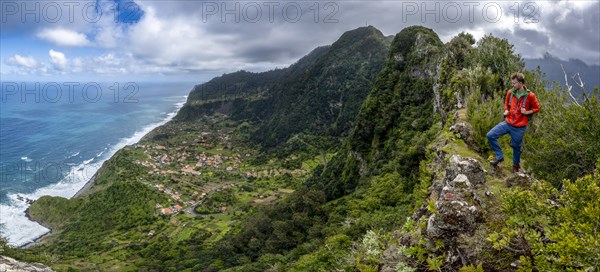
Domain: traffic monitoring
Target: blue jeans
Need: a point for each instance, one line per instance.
(516, 137)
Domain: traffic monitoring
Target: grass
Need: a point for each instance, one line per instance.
(311, 164)
(123, 258)
(183, 233)
(246, 197)
(219, 225)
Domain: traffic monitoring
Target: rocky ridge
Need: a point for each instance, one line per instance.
(461, 207)
(8, 264)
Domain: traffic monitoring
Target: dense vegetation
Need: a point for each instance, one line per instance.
(332, 155)
(319, 95)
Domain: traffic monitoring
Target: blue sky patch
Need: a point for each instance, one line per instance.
(128, 12)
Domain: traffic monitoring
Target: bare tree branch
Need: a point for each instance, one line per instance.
(569, 87)
(580, 84)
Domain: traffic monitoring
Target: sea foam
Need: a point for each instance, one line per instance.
(14, 224)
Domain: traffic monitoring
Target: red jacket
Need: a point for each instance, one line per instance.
(515, 118)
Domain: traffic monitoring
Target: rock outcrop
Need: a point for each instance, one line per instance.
(520, 180)
(8, 264)
(456, 207)
(464, 131)
(453, 211)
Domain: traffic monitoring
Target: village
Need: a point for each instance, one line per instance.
(191, 171)
(188, 170)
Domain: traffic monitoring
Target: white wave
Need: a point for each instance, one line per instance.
(88, 161)
(19, 230)
(16, 227)
(73, 155)
(25, 158)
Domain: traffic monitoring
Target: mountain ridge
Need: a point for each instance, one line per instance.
(300, 203)
(574, 70)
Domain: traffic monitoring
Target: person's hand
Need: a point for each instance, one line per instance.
(505, 112)
(523, 111)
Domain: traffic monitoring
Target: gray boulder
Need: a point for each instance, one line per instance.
(452, 218)
(469, 167)
(8, 264)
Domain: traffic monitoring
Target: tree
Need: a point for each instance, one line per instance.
(498, 55)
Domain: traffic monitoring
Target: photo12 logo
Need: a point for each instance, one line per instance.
(253, 12)
(27, 171)
(453, 12)
(130, 12)
(71, 11)
(71, 92)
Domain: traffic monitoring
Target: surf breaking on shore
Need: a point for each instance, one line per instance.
(16, 227)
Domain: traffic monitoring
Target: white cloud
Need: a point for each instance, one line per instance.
(580, 4)
(77, 65)
(109, 36)
(567, 29)
(63, 37)
(176, 37)
(175, 41)
(108, 32)
(25, 65)
(58, 59)
(22, 61)
(184, 41)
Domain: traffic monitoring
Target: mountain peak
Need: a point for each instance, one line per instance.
(359, 34)
(412, 36)
(416, 45)
(549, 56)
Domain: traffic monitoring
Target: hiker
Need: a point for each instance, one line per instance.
(519, 104)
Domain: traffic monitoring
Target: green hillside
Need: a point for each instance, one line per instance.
(319, 95)
(366, 155)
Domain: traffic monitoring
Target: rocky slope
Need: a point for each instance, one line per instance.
(8, 264)
(449, 231)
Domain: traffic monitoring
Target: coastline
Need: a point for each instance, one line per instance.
(91, 181)
(38, 239)
(88, 184)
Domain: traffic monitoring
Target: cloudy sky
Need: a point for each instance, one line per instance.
(189, 40)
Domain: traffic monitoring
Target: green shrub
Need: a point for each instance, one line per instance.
(483, 114)
(564, 140)
(553, 235)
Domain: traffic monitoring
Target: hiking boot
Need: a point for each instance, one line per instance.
(516, 168)
(495, 162)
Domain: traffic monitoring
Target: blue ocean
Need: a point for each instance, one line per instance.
(55, 136)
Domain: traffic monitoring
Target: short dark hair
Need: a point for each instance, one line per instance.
(519, 77)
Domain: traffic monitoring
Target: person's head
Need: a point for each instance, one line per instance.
(518, 80)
